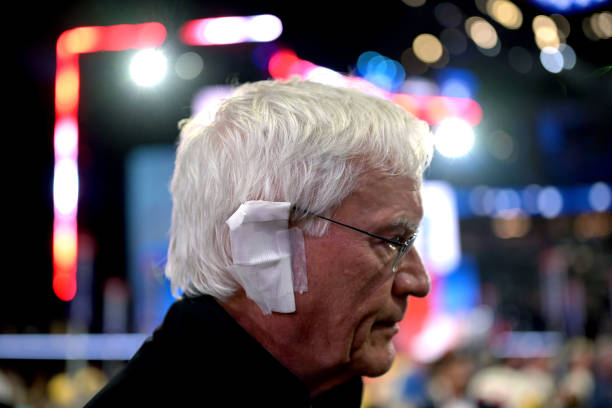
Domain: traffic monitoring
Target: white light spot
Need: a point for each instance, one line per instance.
(454, 137)
(551, 59)
(65, 186)
(148, 67)
(66, 137)
(265, 27)
(225, 30)
(326, 76)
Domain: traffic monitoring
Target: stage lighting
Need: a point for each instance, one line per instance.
(148, 67)
(454, 137)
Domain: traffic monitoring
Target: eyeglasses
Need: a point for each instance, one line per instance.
(400, 247)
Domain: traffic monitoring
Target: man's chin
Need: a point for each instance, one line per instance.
(376, 361)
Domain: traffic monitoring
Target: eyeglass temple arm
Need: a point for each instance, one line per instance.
(392, 241)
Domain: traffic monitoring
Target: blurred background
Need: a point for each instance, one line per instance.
(518, 224)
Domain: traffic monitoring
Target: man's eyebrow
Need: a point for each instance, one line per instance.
(407, 223)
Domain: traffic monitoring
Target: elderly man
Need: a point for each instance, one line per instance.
(295, 209)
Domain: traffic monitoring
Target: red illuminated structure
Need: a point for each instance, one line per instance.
(70, 45)
(83, 40)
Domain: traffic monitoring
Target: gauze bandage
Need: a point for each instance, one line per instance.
(269, 259)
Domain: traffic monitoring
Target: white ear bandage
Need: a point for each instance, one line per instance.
(269, 259)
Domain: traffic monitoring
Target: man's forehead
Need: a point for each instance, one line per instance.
(390, 200)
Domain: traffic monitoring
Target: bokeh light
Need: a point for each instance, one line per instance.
(598, 26)
(546, 32)
(67, 88)
(412, 64)
(443, 61)
(66, 137)
(148, 67)
(551, 59)
(189, 65)
(569, 56)
(65, 247)
(529, 197)
(511, 224)
(460, 83)
(520, 59)
(66, 186)
(506, 201)
(264, 28)
(454, 40)
(420, 86)
(501, 145)
(481, 200)
(231, 30)
(600, 196)
(448, 14)
(562, 24)
(80, 40)
(597, 225)
(427, 48)
(550, 202)
(603, 21)
(454, 137)
(481, 32)
(414, 3)
(325, 76)
(491, 52)
(382, 71)
(505, 13)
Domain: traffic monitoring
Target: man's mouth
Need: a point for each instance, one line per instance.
(390, 325)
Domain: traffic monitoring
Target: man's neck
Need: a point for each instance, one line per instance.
(282, 336)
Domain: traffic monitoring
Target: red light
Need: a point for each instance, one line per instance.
(65, 285)
(67, 88)
(149, 35)
(70, 45)
(231, 30)
(281, 62)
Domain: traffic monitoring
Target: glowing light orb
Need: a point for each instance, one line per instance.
(427, 48)
(551, 59)
(66, 186)
(148, 67)
(454, 137)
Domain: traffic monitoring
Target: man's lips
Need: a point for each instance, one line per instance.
(386, 325)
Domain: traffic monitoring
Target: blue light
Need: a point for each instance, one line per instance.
(535, 200)
(364, 60)
(383, 72)
(70, 346)
(456, 82)
(568, 6)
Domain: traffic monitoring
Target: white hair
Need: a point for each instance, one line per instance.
(296, 141)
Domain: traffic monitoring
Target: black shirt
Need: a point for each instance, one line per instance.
(200, 356)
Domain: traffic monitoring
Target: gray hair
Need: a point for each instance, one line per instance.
(296, 141)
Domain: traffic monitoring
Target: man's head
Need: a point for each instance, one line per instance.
(334, 152)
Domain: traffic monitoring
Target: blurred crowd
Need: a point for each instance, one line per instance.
(578, 375)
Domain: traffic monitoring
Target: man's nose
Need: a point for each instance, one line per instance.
(411, 278)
